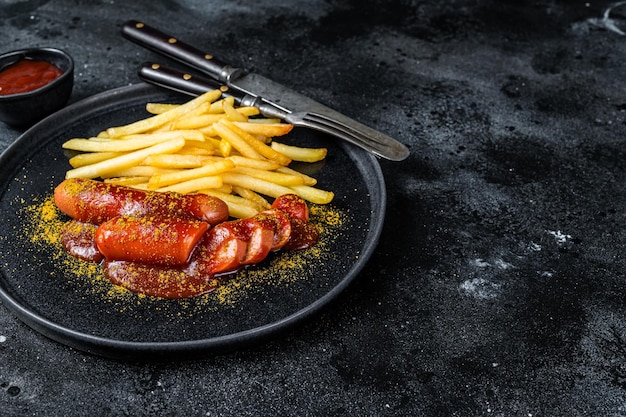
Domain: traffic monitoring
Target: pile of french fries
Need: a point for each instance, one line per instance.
(206, 145)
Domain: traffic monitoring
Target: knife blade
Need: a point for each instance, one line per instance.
(255, 85)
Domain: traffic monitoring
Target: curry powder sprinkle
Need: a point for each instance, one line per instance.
(44, 222)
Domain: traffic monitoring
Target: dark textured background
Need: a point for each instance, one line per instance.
(498, 287)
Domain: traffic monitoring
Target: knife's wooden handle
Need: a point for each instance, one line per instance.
(167, 45)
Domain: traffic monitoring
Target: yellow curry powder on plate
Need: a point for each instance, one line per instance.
(43, 223)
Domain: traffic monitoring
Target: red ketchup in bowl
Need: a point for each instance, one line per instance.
(27, 75)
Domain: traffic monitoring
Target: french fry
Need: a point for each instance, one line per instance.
(227, 196)
(252, 196)
(127, 181)
(271, 176)
(196, 150)
(210, 169)
(256, 184)
(139, 171)
(206, 148)
(193, 185)
(242, 161)
(269, 120)
(208, 131)
(83, 159)
(187, 134)
(164, 128)
(153, 122)
(307, 179)
(256, 144)
(312, 194)
(225, 188)
(211, 141)
(248, 111)
(225, 147)
(198, 122)
(236, 141)
(297, 153)
(238, 207)
(233, 114)
(130, 142)
(218, 106)
(158, 108)
(264, 129)
(90, 145)
(99, 139)
(240, 211)
(175, 161)
(141, 186)
(125, 161)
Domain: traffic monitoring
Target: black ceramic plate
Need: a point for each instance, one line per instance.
(58, 297)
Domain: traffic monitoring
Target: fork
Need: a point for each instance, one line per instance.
(195, 85)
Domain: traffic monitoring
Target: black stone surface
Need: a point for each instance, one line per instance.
(498, 285)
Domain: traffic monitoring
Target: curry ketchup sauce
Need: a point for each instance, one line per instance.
(27, 75)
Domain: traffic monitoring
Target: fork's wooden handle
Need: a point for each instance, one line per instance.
(167, 45)
(184, 82)
(177, 80)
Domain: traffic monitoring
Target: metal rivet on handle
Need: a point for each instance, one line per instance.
(139, 25)
(155, 66)
(172, 40)
(187, 76)
(208, 56)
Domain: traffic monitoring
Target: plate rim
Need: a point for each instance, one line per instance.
(125, 349)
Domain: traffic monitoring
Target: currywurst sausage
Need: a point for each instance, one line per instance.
(150, 239)
(225, 248)
(173, 245)
(95, 202)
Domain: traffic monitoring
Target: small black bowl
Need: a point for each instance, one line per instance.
(25, 109)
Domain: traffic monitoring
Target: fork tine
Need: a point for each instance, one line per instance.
(334, 127)
(317, 122)
(322, 119)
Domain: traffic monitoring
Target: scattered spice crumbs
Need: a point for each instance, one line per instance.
(43, 225)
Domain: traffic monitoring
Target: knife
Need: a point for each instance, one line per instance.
(274, 95)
